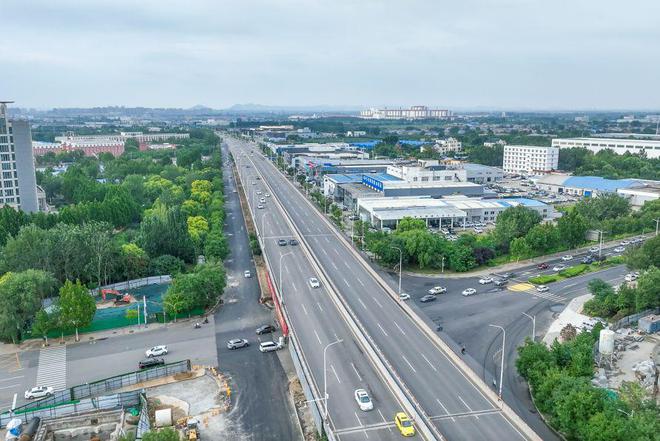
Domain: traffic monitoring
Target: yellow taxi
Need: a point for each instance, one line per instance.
(404, 424)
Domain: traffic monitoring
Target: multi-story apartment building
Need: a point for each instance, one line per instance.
(619, 146)
(529, 159)
(414, 112)
(18, 186)
(444, 146)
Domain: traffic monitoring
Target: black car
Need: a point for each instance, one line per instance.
(427, 298)
(265, 329)
(150, 362)
(588, 260)
(281, 242)
(293, 242)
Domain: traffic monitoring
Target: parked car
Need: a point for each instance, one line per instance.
(247, 274)
(478, 230)
(314, 282)
(282, 242)
(567, 257)
(542, 266)
(150, 362)
(558, 268)
(469, 291)
(237, 343)
(485, 280)
(542, 288)
(293, 242)
(437, 290)
(363, 400)
(404, 296)
(265, 329)
(630, 277)
(39, 392)
(156, 351)
(404, 424)
(268, 346)
(427, 298)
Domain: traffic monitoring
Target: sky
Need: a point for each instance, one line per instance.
(459, 54)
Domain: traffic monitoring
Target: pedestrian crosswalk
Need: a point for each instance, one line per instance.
(52, 367)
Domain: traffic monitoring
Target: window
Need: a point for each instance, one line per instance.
(6, 175)
(7, 184)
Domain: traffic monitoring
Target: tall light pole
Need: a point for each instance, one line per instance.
(533, 319)
(443, 265)
(657, 223)
(280, 281)
(400, 264)
(502, 362)
(325, 376)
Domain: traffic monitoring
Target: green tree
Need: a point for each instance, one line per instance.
(515, 222)
(135, 261)
(43, 323)
(166, 265)
(77, 306)
(645, 256)
(408, 224)
(648, 290)
(572, 228)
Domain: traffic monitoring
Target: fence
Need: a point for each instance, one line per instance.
(633, 318)
(136, 283)
(143, 423)
(120, 400)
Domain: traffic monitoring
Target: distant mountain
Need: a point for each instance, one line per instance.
(261, 108)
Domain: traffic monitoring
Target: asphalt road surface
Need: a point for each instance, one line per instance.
(456, 406)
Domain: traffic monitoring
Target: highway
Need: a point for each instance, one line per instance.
(448, 393)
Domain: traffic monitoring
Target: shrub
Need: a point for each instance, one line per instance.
(574, 270)
(542, 280)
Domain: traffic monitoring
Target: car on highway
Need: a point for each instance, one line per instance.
(314, 282)
(485, 280)
(150, 362)
(437, 290)
(267, 195)
(428, 298)
(542, 288)
(594, 250)
(261, 207)
(404, 296)
(404, 424)
(237, 343)
(156, 351)
(625, 243)
(293, 242)
(262, 200)
(507, 276)
(567, 257)
(268, 346)
(619, 249)
(478, 230)
(469, 291)
(265, 329)
(39, 392)
(501, 282)
(542, 266)
(258, 191)
(247, 274)
(282, 242)
(363, 400)
(587, 260)
(558, 268)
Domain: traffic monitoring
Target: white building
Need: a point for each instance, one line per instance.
(619, 146)
(414, 112)
(444, 146)
(73, 139)
(355, 133)
(529, 159)
(490, 145)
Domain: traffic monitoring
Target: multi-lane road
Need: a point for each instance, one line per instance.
(449, 397)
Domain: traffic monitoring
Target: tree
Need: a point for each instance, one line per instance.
(568, 332)
(645, 256)
(175, 301)
(167, 434)
(43, 323)
(165, 231)
(542, 238)
(166, 265)
(605, 206)
(215, 245)
(198, 226)
(131, 145)
(408, 224)
(572, 228)
(515, 222)
(77, 306)
(135, 261)
(648, 290)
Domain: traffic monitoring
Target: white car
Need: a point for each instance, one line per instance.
(619, 249)
(566, 258)
(630, 277)
(262, 200)
(260, 207)
(247, 274)
(437, 290)
(594, 249)
(156, 351)
(39, 392)
(485, 280)
(478, 230)
(404, 296)
(625, 243)
(314, 282)
(558, 268)
(267, 195)
(542, 288)
(363, 400)
(258, 191)
(268, 346)
(469, 291)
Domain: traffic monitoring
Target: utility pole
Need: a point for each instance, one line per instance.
(443, 265)
(502, 362)
(280, 280)
(325, 376)
(657, 222)
(400, 264)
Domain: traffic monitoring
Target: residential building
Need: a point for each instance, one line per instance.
(355, 133)
(414, 112)
(490, 145)
(73, 139)
(18, 187)
(529, 159)
(444, 146)
(619, 146)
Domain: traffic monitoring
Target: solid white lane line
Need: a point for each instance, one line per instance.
(399, 328)
(377, 302)
(332, 366)
(384, 420)
(430, 364)
(356, 371)
(445, 409)
(11, 378)
(319, 305)
(411, 366)
(304, 309)
(464, 403)
(360, 424)
(382, 330)
(319, 338)
(362, 303)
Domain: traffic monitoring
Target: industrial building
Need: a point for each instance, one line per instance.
(414, 112)
(619, 146)
(529, 159)
(432, 170)
(452, 211)
(317, 168)
(18, 187)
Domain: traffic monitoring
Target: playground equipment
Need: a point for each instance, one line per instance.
(119, 298)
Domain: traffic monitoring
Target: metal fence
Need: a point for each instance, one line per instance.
(121, 381)
(136, 283)
(143, 423)
(115, 401)
(633, 318)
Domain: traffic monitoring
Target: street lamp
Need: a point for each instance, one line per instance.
(630, 415)
(657, 223)
(533, 318)
(502, 363)
(400, 264)
(280, 281)
(325, 376)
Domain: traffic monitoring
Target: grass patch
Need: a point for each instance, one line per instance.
(542, 280)
(574, 270)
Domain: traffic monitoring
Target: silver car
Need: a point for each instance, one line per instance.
(237, 343)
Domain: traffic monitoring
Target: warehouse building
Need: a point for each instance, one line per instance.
(619, 146)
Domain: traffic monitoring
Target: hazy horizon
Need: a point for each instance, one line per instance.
(479, 55)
